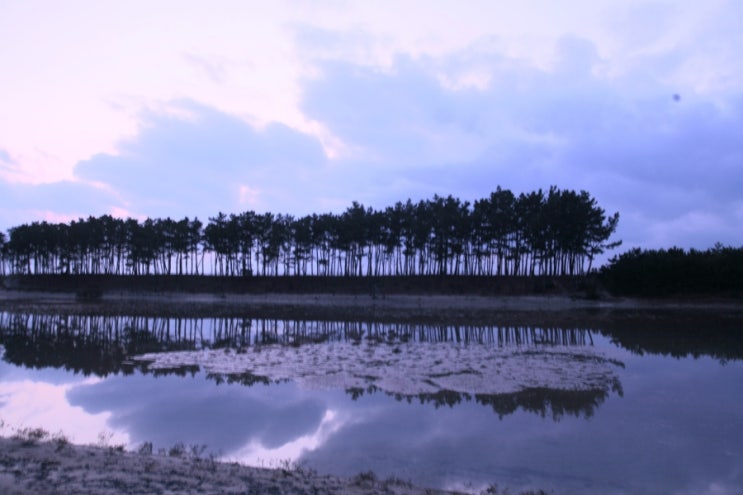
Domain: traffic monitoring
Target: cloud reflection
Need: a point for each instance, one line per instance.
(255, 453)
(227, 419)
(36, 404)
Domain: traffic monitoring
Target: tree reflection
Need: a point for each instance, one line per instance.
(101, 345)
(104, 345)
(546, 402)
(550, 402)
(245, 379)
(680, 339)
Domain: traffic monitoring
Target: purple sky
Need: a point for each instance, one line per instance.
(187, 108)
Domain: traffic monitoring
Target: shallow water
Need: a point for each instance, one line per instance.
(668, 424)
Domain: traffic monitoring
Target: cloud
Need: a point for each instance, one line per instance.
(5, 157)
(198, 161)
(394, 120)
(8, 166)
(54, 202)
(624, 139)
(459, 121)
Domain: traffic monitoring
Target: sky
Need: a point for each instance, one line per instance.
(183, 108)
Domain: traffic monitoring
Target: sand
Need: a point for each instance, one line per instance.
(33, 466)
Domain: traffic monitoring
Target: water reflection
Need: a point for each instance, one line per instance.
(101, 344)
(104, 345)
(673, 431)
(37, 399)
(720, 341)
(546, 402)
(228, 419)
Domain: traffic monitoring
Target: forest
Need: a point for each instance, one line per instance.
(541, 233)
(674, 271)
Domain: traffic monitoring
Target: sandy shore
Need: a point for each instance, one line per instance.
(32, 466)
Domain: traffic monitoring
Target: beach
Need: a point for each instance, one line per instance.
(30, 465)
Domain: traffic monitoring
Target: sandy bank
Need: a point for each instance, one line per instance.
(32, 467)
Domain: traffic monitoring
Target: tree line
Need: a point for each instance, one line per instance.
(660, 272)
(554, 232)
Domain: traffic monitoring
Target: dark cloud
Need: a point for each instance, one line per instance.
(396, 119)
(654, 160)
(671, 168)
(23, 203)
(195, 165)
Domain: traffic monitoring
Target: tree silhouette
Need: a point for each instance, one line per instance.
(675, 271)
(558, 232)
(3, 253)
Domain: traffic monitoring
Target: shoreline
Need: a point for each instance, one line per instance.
(31, 465)
(560, 309)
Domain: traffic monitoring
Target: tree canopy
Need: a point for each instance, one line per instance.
(554, 232)
(661, 272)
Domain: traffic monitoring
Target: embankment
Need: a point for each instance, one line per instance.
(380, 286)
(434, 300)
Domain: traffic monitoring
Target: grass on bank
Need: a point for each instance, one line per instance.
(201, 466)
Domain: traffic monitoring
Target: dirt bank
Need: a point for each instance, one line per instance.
(32, 466)
(379, 286)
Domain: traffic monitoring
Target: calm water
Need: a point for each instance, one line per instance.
(674, 425)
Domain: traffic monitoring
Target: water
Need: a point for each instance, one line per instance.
(672, 423)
